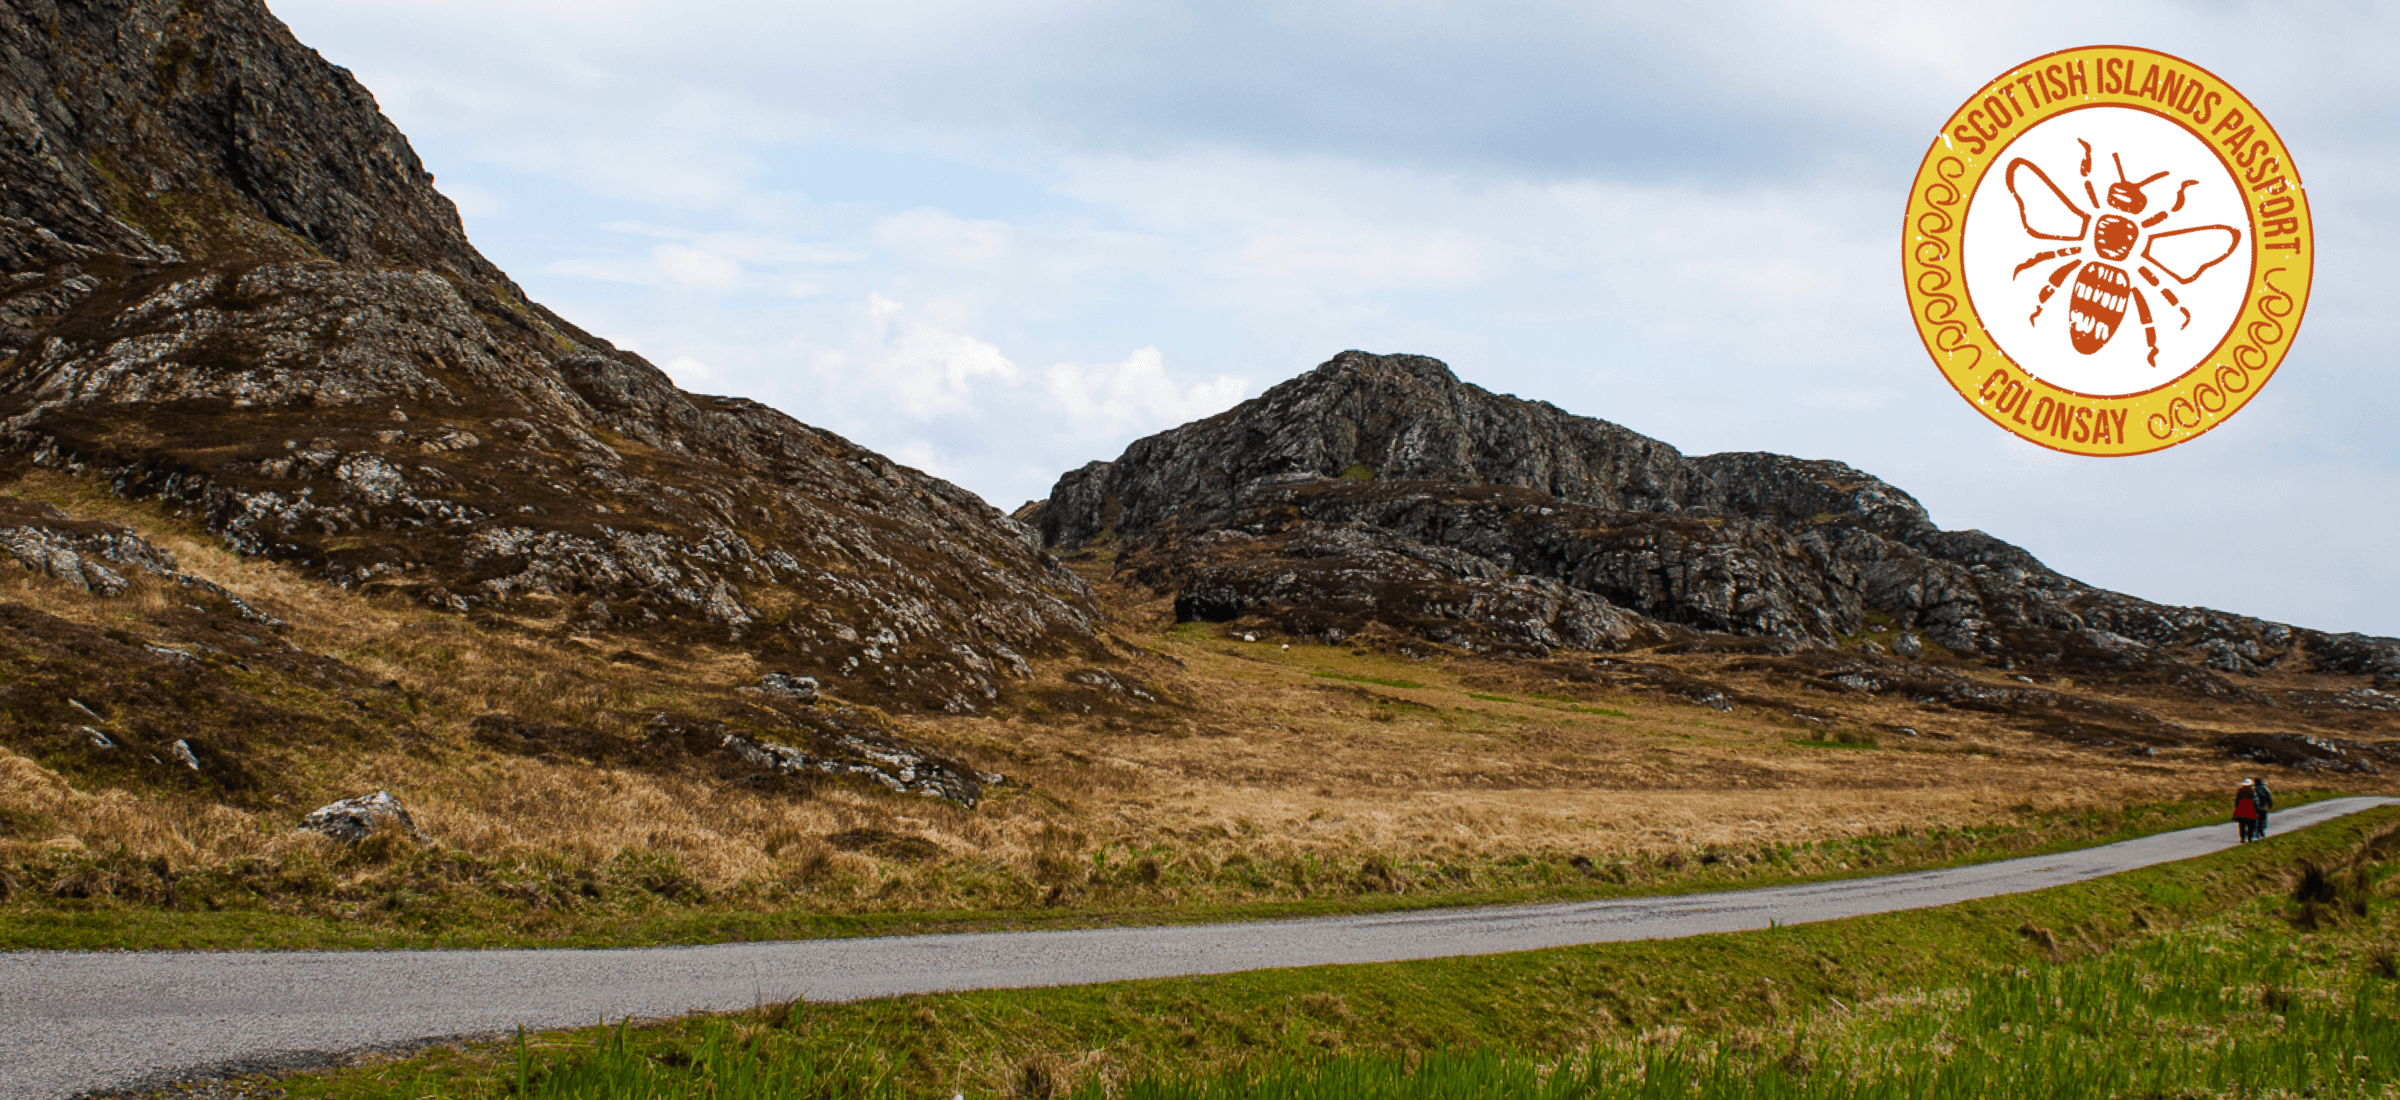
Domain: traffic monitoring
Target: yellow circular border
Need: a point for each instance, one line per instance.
(1977, 137)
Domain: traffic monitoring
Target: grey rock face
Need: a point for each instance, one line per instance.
(801, 689)
(1391, 417)
(91, 556)
(182, 119)
(226, 283)
(1381, 488)
(98, 557)
(896, 766)
(353, 819)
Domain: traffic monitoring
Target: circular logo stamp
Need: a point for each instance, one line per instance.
(2108, 250)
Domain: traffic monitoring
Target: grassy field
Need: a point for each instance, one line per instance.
(2237, 974)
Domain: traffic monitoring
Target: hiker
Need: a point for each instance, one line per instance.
(2245, 811)
(2266, 801)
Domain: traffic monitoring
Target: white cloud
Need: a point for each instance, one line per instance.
(926, 370)
(1114, 400)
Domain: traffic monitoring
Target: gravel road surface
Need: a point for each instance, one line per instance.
(72, 1022)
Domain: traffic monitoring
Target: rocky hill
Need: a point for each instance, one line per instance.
(1380, 491)
(227, 284)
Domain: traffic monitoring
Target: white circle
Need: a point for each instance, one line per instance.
(2001, 235)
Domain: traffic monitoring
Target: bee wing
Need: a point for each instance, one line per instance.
(2045, 210)
(2185, 253)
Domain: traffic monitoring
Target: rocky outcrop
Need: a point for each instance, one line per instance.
(799, 689)
(227, 284)
(1398, 417)
(897, 767)
(1332, 580)
(2306, 753)
(91, 556)
(99, 558)
(135, 130)
(1382, 489)
(351, 820)
(773, 736)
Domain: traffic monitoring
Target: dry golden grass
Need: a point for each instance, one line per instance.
(1269, 772)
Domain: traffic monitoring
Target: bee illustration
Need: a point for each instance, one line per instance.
(2101, 292)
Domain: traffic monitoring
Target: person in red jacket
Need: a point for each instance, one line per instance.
(2245, 810)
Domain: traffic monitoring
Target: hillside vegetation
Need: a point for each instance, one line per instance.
(574, 788)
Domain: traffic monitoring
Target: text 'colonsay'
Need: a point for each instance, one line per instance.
(2108, 250)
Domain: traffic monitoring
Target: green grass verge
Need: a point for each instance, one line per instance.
(438, 898)
(1725, 990)
(2193, 1013)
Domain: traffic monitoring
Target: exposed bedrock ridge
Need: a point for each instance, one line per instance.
(1380, 487)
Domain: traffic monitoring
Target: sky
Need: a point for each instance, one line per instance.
(997, 240)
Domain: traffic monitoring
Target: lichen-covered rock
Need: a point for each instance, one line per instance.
(1365, 417)
(226, 283)
(799, 689)
(98, 557)
(897, 767)
(354, 819)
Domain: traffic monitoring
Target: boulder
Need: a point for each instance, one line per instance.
(800, 688)
(352, 819)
